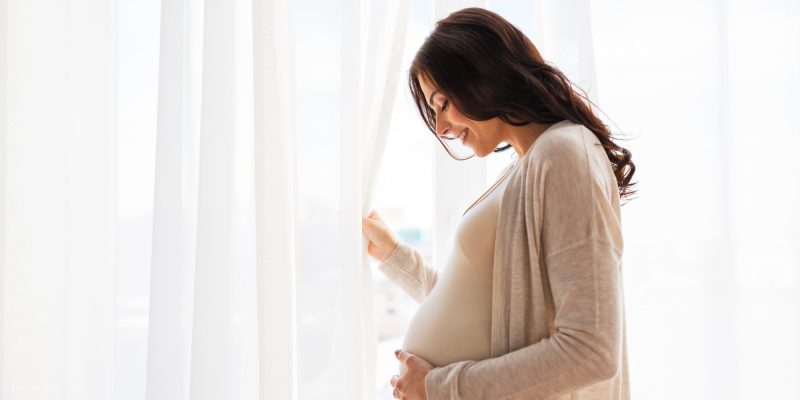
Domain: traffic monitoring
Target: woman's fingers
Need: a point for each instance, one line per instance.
(403, 356)
(412, 384)
(410, 359)
(371, 221)
(382, 240)
(373, 231)
(376, 215)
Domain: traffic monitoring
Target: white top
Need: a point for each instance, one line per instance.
(454, 321)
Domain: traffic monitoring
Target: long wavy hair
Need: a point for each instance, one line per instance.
(488, 68)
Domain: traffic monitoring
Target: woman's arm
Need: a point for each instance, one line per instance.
(402, 264)
(585, 348)
(407, 269)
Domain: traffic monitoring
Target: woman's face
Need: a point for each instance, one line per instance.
(482, 137)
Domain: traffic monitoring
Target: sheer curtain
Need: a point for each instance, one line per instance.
(181, 184)
(59, 199)
(181, 204)
(708, 93)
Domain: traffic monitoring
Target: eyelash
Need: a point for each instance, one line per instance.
(445, 104)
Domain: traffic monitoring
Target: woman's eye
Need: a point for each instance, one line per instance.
(444, 105)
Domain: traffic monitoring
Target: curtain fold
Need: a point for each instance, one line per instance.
(224, 256)
(224, 331)
(58, 264)
(363, 136)
(3, 169)
(274, 129)
(563, 34)
(174, 223)
(711, 258)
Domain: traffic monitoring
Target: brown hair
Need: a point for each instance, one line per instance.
(488, 68)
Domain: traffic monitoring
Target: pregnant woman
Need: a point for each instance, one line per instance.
(529, 303)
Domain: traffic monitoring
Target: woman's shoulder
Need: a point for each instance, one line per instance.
(570, 154)
(564, 142)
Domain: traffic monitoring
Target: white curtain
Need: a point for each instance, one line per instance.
(181, 184)
(164, 196)
(708, 93)
(59, 200)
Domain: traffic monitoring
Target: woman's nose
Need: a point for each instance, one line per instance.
(442, 126)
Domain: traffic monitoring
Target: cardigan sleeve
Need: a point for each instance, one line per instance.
(581, 246)
(406, 268)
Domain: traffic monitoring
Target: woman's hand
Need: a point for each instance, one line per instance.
(411, 386)
(382, 241)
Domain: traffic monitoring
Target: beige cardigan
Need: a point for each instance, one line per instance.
(559, 221)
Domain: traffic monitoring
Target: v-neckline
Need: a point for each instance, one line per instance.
(491, 188)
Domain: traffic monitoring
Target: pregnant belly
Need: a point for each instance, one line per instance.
(452, 324)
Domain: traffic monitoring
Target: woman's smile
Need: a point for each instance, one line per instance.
(463, 135)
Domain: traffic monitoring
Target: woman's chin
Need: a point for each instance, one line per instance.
(479, 152)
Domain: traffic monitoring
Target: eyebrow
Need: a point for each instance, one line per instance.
(430, 101)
